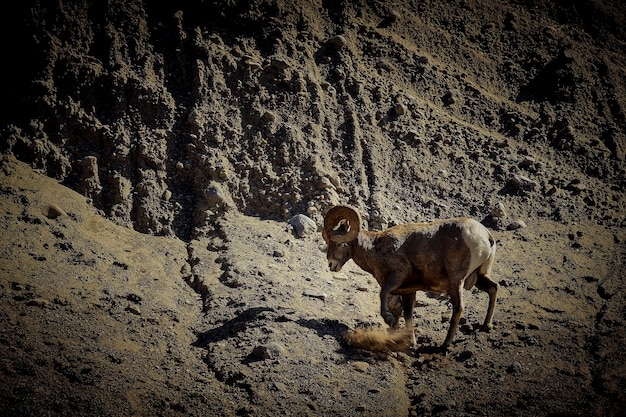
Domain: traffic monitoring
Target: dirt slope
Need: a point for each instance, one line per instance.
(154, 156)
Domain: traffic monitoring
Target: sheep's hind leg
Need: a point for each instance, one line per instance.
(485, 284)
(456, 297)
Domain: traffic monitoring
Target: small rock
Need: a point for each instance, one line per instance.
(529, 164)
(268, 117)
(567, 55)
(384, 66)
(499, 211)
(134, 310)
(400, 109)
(214, 194)
(253, 64)
(522, 183)
(302, 225)
(38, 302)
(337, 42)
(325, 184)
(515, 368)
(360, 366)
(53, 211)
(279, 254)
(516, 224)
(315, 294)
(270, 350)
(393, 16)
(576, 187)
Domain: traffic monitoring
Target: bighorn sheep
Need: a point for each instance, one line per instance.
(442, 256)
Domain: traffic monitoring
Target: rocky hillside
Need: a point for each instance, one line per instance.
(209, 125)
(166, 117)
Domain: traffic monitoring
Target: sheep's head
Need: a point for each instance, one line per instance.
(341, 227)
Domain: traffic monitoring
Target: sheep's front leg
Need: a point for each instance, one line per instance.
(408, 302)
(393, 282)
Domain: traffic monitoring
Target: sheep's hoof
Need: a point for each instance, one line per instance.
(443, 350)
(390, 319)
(486, 328)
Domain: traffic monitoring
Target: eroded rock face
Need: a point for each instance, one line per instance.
(142, 107)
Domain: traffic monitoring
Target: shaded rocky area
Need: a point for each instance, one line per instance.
(165, 167)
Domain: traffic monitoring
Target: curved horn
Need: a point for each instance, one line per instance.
(348, 230)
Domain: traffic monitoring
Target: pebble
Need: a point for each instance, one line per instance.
(523, 183)
(515, 368)
(400, 109)
(134, 310)
(53, 211)
(315, 294)
(360, 366)
(576, 187)
(38, 302)
(268, 117)
(270, 350)
(214, 194)
(325, 184)
(337, 42)
(393, 16)
(516, 224)
(499, 211)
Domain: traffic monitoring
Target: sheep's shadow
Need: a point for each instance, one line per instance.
(231, 328)
(325, 327)
(331, 328)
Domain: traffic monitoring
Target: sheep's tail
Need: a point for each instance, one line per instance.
(379, 340)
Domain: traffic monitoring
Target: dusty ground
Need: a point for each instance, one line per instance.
(153, 156)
